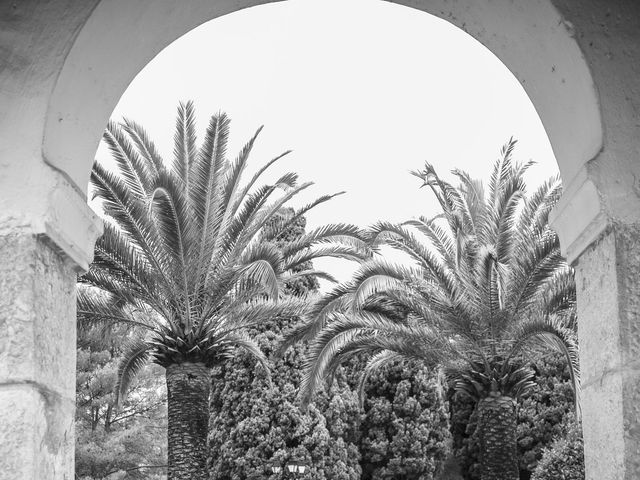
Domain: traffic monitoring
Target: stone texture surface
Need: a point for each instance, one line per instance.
(37, 360)
(37, 314)
(36, 428)
(608, 285)
(628, 266)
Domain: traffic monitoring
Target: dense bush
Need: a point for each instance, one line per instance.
(564, 459)
(540, 417)
(405, 427)
(255, 425)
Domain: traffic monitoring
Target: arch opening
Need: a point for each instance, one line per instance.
(96, 73)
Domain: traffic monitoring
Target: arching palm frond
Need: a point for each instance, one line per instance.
(558, 333)
(145, 147)
(133, 170)
(96, 308)
(135, 356)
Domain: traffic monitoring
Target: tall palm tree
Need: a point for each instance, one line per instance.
(486, 281)
(185, 260)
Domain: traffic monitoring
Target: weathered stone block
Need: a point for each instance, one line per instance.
(36, 428)
(37, 312)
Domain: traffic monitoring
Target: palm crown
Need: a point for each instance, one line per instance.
(184, 255)
(486, 281)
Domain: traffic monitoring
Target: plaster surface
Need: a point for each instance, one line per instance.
(608, 33)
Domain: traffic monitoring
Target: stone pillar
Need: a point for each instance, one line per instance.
(40, 256)
(608, 281)
(605, 252)
(598, 221)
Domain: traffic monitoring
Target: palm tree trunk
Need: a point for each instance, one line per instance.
(188, 386)
(498, 438)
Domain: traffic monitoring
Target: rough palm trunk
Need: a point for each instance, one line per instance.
(498, 438)
(188, 416)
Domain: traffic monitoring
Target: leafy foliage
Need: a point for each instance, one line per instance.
(256, 427)
(564, 458)
(405, 426)
(110, 442)
(486, 284)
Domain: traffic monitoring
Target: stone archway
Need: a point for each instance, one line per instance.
(68, 62)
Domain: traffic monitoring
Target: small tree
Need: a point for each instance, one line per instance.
(130, 440)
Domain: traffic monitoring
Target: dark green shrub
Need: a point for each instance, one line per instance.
(253, 425)
(565, 458)
(405, 429)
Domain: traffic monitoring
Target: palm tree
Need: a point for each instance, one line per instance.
(486, 282)
(185, 260)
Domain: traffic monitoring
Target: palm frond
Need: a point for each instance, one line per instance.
(402, 239)
(131, 216)
(260, 217)
(95, 308)
(261, 272)
(345, 234)
(207, 174)
(117, 255)
(553, 332)
(175, 224)
(242, 194)
(184, 150)
(135, 356)
(289, 278)
(133, 170)
(335, 300)
(146, 148)
(370, 333)
(328, 250)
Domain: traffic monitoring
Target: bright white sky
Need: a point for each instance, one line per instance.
(361, 90)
